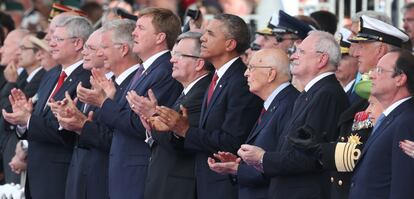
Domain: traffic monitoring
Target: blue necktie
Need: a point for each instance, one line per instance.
(378, 123)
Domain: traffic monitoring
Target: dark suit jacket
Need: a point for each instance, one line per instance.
(384, 170)
(340, 181)
(88, 170)
(265, 134)
(129, 156)
(7, 129)
(5, 90)
(296, 174)
(224, 125)
(171, 169)
(50, 149)
(2, 78)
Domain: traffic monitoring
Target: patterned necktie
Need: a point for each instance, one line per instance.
(135, 79)
(211, 87)
(59, 83)
(179, 102)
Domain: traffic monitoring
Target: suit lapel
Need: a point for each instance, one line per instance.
(46, 90)
(146, 73)
(217, 91)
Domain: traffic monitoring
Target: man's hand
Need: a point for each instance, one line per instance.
(228, 164)
(175, 121)
(70, 117)
(225, 156)
(10, 72)
(95, 96)
(21, 107)
(142, 105)
(100, 80)
(252, 155)
(155, 123)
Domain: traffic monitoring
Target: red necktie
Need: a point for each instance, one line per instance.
(59, 83)
(261, 115)
(211, 88)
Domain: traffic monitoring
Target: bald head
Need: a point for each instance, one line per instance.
(10, 46)
(267, 70)
(276, 58)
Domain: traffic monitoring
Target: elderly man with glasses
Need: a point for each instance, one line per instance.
(295, 174)
(51, 148)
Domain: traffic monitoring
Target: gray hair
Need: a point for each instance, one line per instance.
(121, 31)
(373, 14)
(77, 27)
(195, 36)
(326, 43)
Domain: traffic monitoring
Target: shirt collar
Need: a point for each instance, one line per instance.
(349, 86)
(188, 88)
(125, 74)
(68, 70)
(275, 92)
(31, 75)
(147, 63)
(388, 110)
(220, 72)
(316, 79)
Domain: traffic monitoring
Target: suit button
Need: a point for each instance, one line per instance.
(352, 184)
(340, 182)
(342, 139)
(332, 179)
(11, 127)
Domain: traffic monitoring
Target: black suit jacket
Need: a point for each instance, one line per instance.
(51, 149)
(224, 125)
(5, 91)
(296, 174)
(340, 180)
(7, 129)
(265, 134)
(88, 170)
(171, 169)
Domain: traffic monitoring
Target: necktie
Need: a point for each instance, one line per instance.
(135, 79)
(378, 123)
(59, 83)
(261, 115)
(179, 102)
(211, 87)
(299, 102)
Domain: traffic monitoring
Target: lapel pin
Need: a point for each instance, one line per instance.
(220, 85)
(70, 80)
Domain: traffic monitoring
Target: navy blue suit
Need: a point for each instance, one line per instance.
(384, 170)
(50, 150)
(88, 171)
(253, 184)
(224, 125)
(129, 154)
(295, 174)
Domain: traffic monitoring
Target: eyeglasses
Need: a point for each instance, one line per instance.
(90, 48)
(250, 67)
(23, 48)
(59, 39)
(254, 47)
(115, 45)
(303, 52)
(179, 55)
(280, 38)
(380, 70)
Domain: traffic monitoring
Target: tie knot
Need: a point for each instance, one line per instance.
(63, 74)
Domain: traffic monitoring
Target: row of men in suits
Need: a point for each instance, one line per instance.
(23, 69)
(130, 127)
